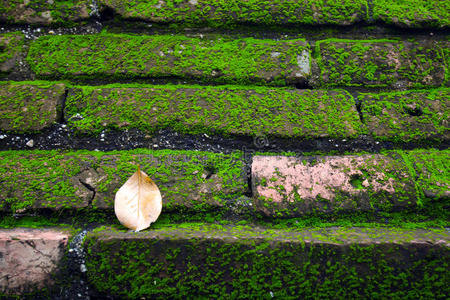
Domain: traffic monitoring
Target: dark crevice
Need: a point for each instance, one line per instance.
(107, 14)
(413, 110)
(92, 189)
(61, 137)
(61, 118)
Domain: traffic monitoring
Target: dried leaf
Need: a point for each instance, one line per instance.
(138, 202)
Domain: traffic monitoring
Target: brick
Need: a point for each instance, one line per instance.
(380, 63)
(432, 170)
(29, 258)
(407, 116)
(44, 12)
(412, 13)
(221, 60)
(188, 180)
(228, 13)
(295, 186)
(12, 49)
(214, 261)
(30, 107)
(229, 110)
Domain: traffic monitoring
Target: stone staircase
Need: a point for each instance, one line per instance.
(300, 147)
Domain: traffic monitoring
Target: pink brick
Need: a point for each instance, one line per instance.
(28, 258)
(300, 185)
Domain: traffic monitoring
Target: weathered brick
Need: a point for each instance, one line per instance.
(214, 261)
(190, 180)
(407, 116)
(29, 258)
(28, 107)
(12, 48)
(412, 13)
(294, 186)
(44, 12)
(215, 110)
(380, 63)
(225, 13)
(220, 60)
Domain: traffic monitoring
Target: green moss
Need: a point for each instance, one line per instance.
(379, 63)
(227, 110)
(30, 106)
(126, 56)
(11, 45)
(407, 116)
(53, 179)
(198, 260)
(412, 13)
(223, 13)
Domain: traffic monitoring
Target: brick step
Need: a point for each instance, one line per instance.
(412, 14)
(27, 107)
(216, 261)
(194, 181)
(373, 63)
(30, 258)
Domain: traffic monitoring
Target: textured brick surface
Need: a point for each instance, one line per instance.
(292, 186)
(30, 107)
(29, 258)
(214, 261)
(56, 179)
(221, 60)
(382, 63)
(215, 110)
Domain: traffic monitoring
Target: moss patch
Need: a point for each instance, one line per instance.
(380, 63)
(412, 13)
(126, 56)
(223, 13)
(200, 260)
(227, 110)
(30, 106)
(407, 116)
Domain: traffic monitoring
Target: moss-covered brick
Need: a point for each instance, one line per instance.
(30, 106)
(243, 262)
(412, 13)
(191, 180)
(128, 56)
(44, 12)
(431, 169)
(11, 49)
(380, 63)
(407, 116)
(225, 13)
(250, 111)
(294, 186)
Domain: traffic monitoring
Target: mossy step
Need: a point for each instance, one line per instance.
(192, 180)
(412, 13)
(227, 110)
(30, 106)
(245, 60)
(226, 261)
(380, 63)
(225, 13)
(407, 116)
(395, 180)
(45, 12)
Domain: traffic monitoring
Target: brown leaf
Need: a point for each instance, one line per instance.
(138, 202)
